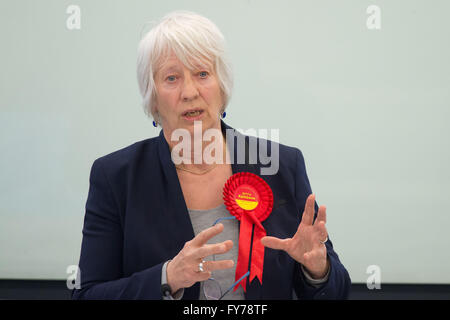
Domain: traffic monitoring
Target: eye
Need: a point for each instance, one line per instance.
(203, 74)
(171, 78)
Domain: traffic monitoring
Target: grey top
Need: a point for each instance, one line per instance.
(203, 219)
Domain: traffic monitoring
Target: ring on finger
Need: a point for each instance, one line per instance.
(200, 266)
(323, 242)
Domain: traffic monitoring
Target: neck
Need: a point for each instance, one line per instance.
(198, 154)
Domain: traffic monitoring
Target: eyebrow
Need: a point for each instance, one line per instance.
(164, 70)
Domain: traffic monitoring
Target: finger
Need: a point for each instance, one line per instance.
(275, 243)
(207, 234)
(308, 213)
(210, 249)
(321, 215)
(202, 276)
(218, 265)
(322, 231)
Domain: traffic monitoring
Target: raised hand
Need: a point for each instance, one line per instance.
(183, 270)
(307, 246)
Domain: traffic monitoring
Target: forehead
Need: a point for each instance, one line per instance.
(173, 63)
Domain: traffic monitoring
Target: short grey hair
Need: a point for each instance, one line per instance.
(195, 40)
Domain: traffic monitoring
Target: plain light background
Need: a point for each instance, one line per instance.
(368, 108)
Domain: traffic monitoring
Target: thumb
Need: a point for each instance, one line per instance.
(275, 243)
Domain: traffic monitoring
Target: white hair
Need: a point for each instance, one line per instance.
(195, 40)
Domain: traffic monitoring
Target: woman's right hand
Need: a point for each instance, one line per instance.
(182, 270)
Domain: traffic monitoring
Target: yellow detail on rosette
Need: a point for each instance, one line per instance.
(247, 205)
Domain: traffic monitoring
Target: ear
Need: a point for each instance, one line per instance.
(154, 112)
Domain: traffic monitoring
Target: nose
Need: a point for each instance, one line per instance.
(189, 91)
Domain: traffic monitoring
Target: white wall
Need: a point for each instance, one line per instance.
(368, 108)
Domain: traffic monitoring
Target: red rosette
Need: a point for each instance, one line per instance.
(249, 198)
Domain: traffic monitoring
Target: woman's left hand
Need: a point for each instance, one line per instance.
(307, 245)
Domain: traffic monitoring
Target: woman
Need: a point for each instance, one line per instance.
(149, 228)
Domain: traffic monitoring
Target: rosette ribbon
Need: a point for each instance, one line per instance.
(249, 198)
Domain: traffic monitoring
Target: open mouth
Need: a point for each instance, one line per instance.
(192, 113)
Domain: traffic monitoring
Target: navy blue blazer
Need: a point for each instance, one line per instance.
(136, 219)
